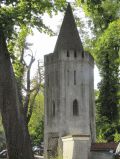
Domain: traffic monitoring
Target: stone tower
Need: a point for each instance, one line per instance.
(69, 93)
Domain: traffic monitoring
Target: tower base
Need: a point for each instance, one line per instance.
(76, 147)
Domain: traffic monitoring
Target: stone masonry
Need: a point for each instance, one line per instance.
(69, 95)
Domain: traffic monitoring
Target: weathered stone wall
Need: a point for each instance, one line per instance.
(76, 147)
(61, 90)
(69, 90)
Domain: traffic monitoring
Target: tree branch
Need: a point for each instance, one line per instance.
(27, 98)
(36, 89)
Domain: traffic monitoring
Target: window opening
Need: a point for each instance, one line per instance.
(74, 77)
(68, 55)
(53, 108)
(48, 81)
(68, 77)
(75, 108)
(75, 53)
(82, 54)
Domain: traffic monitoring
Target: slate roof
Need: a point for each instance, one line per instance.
(68, 37)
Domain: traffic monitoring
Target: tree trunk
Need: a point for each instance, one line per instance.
(17, 136)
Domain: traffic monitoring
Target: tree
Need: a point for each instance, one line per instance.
(32, 89)
(101, 13)
(18, 142)
(14, 15)
(108, 47)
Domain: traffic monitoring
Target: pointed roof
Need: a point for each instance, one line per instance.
(68, 37)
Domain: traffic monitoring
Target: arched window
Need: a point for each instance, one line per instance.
(53, 108)
(75, 108)
(68, 55)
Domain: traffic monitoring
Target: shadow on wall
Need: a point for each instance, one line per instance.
(80, 149)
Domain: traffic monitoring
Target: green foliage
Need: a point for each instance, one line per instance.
(107, 55)
(14, 14)
(106, 131)
(36, 125)
(18, 69)
(16, 47)
(117, 137)
(101, 13)
(108, 42)
(107, 103)
(100, 137)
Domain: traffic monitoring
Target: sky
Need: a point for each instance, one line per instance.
(44, 44)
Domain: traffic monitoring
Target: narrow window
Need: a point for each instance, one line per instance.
(74, 77)
(75, 53)
(57, 78)
(53, 109)
(68, 77)
(75, 108)
(82, 54)
(48, 81)
(68, 55)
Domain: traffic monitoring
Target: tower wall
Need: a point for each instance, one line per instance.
(69, 94)
(68, 77)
